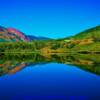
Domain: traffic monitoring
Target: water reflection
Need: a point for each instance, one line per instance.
(12, 63)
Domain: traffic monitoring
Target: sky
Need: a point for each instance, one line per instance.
(50, 18)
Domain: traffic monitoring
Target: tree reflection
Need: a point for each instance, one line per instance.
(12, 63)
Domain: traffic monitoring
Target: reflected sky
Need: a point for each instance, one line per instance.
(50, 80)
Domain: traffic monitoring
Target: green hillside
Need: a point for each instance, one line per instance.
(90, 33)
(87, 41)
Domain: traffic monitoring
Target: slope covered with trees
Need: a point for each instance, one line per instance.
(86, 42)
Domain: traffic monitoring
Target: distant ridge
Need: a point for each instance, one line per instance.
(14, 35)
(31, 38)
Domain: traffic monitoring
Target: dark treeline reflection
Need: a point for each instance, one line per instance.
(12, 63)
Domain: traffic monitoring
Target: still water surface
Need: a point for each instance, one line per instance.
(49, 81)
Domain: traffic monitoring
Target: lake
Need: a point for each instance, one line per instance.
(50, 77)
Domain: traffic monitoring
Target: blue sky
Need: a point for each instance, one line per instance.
(50, 18)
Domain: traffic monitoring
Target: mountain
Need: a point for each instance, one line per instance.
(18, 33)
(89, 33)
(88, 41)
(37, 38)
(14, 35)
(11, 34)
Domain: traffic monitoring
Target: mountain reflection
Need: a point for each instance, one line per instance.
(12, 63)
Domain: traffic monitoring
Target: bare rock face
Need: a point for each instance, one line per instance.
(11, 35)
